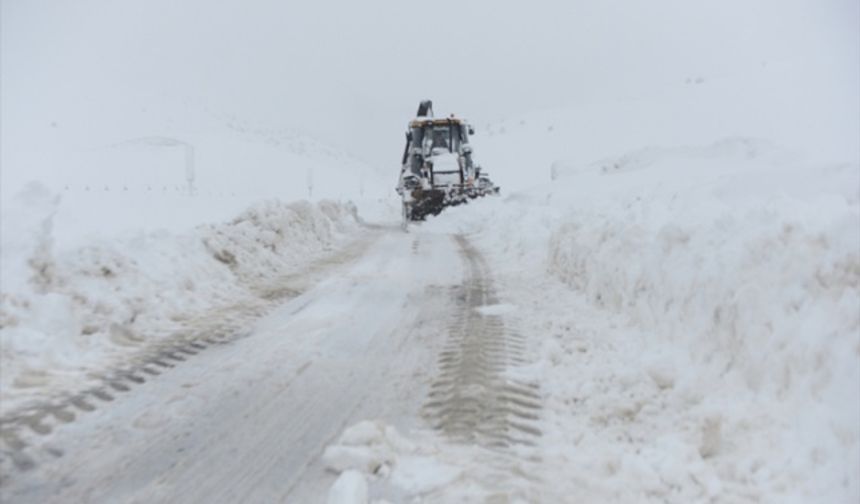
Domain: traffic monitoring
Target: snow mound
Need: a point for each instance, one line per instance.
(755, 265)
(425, 467)
(68, 313)
(350, 488)
(369, 446)
(273, 237)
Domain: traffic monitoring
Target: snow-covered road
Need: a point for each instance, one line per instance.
(628, 334)
(247, 421)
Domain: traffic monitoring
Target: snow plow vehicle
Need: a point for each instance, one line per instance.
(437, 169)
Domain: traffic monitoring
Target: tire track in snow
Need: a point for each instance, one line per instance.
(22, 431)
(472, 401)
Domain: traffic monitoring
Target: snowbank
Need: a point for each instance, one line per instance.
(752, 264)
(729, 278)
(66, 313)
(399, 469)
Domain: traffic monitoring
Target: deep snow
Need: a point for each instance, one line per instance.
(70, 314)
(695, 315)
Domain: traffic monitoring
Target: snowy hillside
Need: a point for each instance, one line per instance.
(797, 106)
(173, 168)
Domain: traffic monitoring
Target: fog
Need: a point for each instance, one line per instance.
(351, 73)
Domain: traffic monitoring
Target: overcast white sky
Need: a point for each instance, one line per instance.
(352, 72)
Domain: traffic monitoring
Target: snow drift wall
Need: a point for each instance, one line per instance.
(749, 265)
